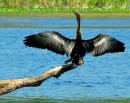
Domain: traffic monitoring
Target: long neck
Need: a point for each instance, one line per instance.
(78, 34)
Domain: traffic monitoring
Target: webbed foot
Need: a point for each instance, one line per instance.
(67, 61)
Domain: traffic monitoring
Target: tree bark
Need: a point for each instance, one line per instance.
(7, 86)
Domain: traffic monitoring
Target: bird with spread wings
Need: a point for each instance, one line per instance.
(75, 48)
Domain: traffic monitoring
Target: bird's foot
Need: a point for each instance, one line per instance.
(67, 61)
(81, 62)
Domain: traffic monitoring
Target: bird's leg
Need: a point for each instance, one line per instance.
(67, 61)
(78, 60)
(81, 61)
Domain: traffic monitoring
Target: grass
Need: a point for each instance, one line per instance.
(63, 6)
(65, 12)
(40, 7)
(62, 9)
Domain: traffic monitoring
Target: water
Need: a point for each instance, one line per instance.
(107, 76)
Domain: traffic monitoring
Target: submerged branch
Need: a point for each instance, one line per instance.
(7, 86)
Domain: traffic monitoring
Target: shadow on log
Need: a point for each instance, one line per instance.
(7, 86)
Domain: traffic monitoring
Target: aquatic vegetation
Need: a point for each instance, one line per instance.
(64, 9)
(52, 6)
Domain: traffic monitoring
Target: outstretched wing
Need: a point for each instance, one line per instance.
(105, 44)
(52, 41)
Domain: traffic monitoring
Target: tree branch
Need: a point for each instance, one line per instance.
(7, 86)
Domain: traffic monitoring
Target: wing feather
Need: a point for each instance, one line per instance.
(52, 41)
(105, 44)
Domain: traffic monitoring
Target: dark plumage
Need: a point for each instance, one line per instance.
(75, 48)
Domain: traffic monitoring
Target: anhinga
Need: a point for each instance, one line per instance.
(75, 48)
